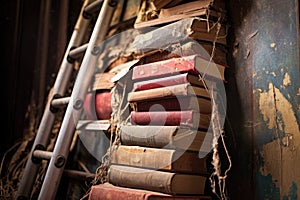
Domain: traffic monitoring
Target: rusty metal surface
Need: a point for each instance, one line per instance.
(265, 59)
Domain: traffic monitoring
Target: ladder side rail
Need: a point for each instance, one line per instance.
(74, 108)
(43, 134)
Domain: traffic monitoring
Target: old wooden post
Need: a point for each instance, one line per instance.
(263, 99)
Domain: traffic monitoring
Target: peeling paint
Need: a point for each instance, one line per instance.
(268, 189)
(281, 157)
(292, 193)
(272, 45)
(267, 127)
(267, 107)
(286, 80)
(254, 74)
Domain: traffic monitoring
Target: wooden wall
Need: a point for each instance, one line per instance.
(263, 99)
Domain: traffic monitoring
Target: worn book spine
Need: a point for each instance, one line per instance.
(163, 68)
(166, 34)
(151, 136)
(185, 8)
(216, 53)
(167, 81)
(207, 36)
(188, 118)
(154, 180)
(193, 64)
(108, 191)
(103, 105)
(98, 105)
(202, 105)
(168, 91)
(158, 4)
(202, 26)
(159, 158)
(171, 137)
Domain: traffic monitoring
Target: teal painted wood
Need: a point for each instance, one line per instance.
(276, 101)
(263, 100)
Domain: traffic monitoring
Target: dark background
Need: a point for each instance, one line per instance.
(34, 35)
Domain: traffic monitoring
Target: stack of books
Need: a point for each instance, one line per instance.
(160, 155)
(169, 119)
(161, 12)
(197, 26)
(170, 92)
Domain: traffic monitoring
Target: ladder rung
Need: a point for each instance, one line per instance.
(77, 52)
(80, 175)
(90, 9)
(60, 102)
(93, 125)
(46, 155)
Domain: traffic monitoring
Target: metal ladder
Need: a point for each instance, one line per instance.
(57, 158)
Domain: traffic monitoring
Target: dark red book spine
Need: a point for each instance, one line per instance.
(103, 105)
(165, 67)
(160, 82)
(169, 118)
(174, 104)
(171, 104)
(108, 191)
(98, 105)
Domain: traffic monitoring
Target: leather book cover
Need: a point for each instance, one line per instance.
(173, 160)
(202, 105)
(217, 53)
(109, 191)
(186, 118)
(98, 105)
(169, 91)
(171, 137)
(193, 64)
(168, 81)
(155, 180)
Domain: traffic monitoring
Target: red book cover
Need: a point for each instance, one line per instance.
(98, 105)
(167, 81)
(202, 105)
(103, 105)
(108, 191)
(193, 64)
(188, 118)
